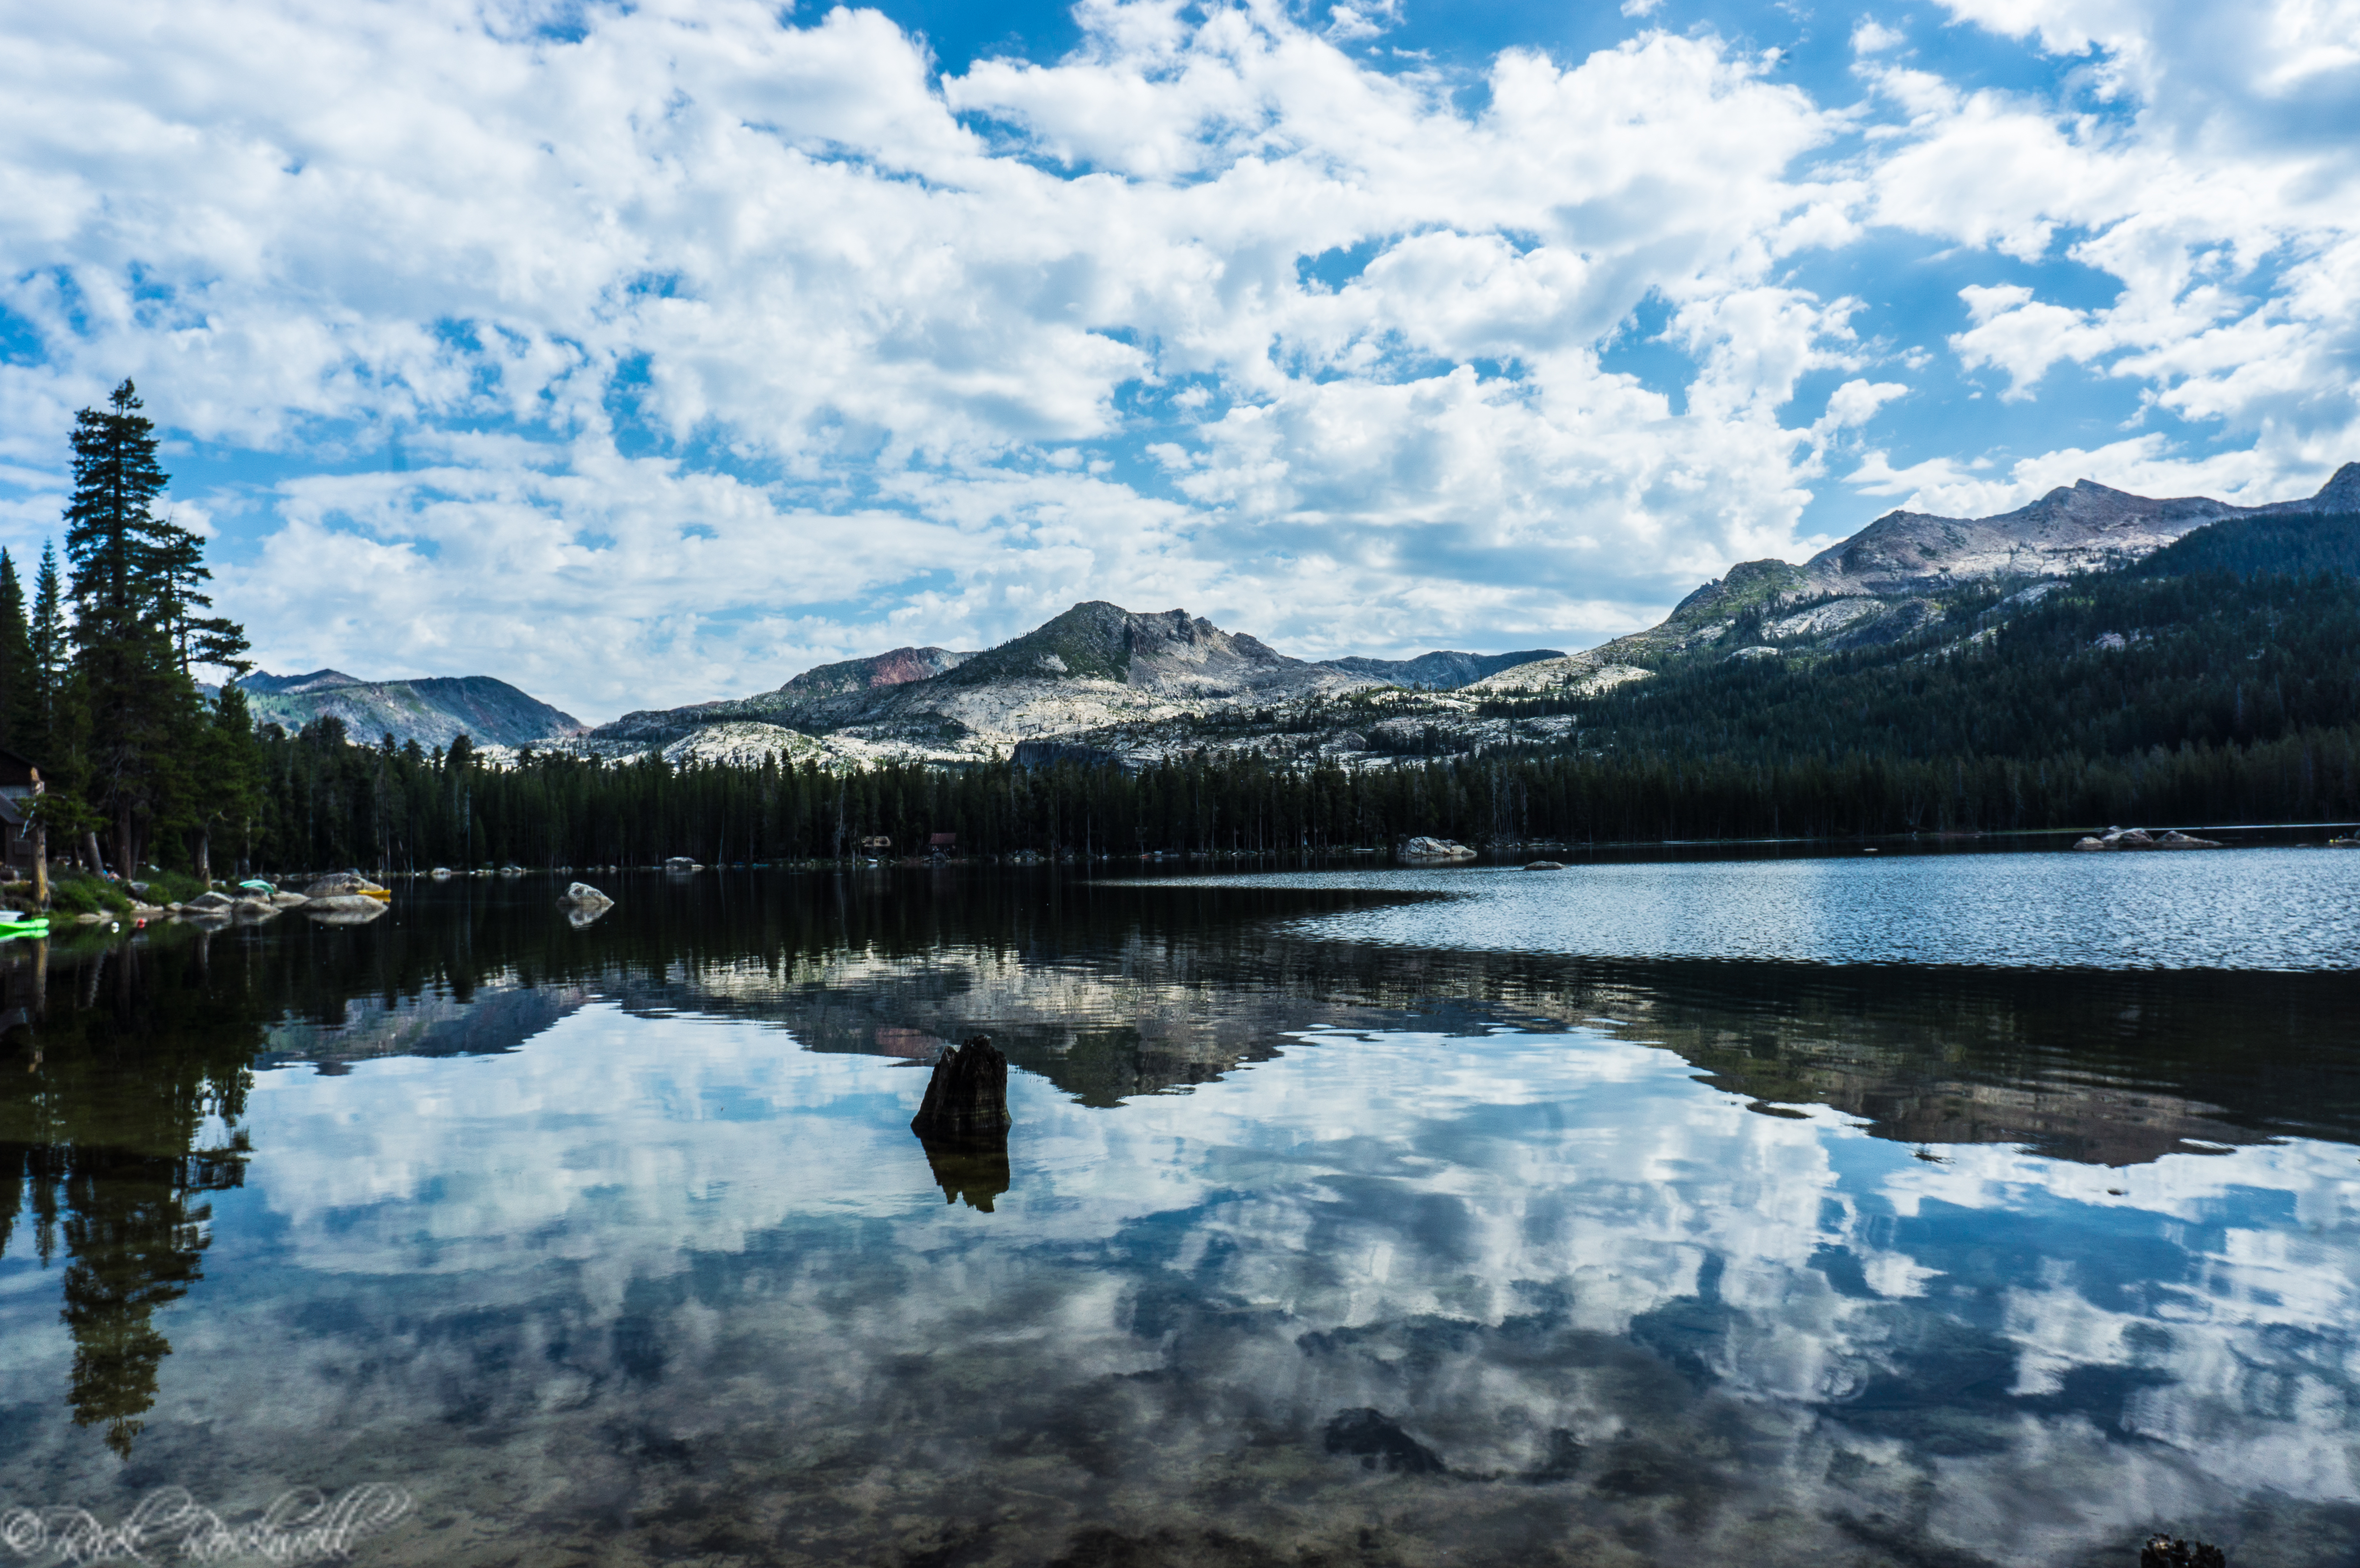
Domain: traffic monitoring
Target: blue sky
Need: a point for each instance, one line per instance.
(641, 355)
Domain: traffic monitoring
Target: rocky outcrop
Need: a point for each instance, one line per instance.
(1436, 849)
(1441, 671)
(849, 678)
(433, 712)
(346, 884)
(742, 743)
(966, 1098)
(583, 904)
(2139, 838)
(1575, 675)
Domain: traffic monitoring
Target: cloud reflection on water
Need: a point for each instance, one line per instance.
(717, 1241)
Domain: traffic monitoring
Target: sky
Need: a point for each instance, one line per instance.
(640, 355)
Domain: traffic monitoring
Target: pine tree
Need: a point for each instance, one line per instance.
(231, 763)
(135, 580)
(46, 680)
(16, 660)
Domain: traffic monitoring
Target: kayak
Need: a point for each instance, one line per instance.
(32, 925)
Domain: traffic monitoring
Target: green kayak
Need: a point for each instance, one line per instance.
(23, 925)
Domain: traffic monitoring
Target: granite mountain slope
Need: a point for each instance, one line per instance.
(1888, 581)
(1110, 680)
(432, 711)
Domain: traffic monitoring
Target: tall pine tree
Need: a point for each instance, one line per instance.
(15, 661)
(47, 677)
(137, 733)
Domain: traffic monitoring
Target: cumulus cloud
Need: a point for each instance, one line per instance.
(715, 344)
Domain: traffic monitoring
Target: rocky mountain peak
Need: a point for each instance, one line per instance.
(261, 683)
(899, 668)
(2340, 494)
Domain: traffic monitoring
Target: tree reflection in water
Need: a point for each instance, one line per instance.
(117, 1118)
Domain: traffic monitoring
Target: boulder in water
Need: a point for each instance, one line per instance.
(967, 1096)
(342, 883)
(1436, 849)
(583, 904)
(209, 902)
(1544, 865)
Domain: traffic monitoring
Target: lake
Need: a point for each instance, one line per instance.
(1934, 1209)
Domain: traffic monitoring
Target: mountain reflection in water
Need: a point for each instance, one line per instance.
(615, 1238)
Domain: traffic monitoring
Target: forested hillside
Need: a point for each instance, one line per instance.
(2201, 646)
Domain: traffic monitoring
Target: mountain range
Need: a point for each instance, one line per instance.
(1102, 683)
(433, 712)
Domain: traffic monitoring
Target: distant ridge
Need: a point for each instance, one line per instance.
(432, 711)
(1875, 586)
(1167, 656)
(1443, 671)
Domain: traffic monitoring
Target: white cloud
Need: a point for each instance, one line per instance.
(1870, 35)
(1210, 313)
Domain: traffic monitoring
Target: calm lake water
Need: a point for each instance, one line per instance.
(1945, 1210)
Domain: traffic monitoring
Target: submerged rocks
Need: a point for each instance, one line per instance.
(1436, 849)
(967, 1096)
(2139, 838)
(1544, 865)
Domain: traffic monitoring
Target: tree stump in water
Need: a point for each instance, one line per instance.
(966, 1099)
